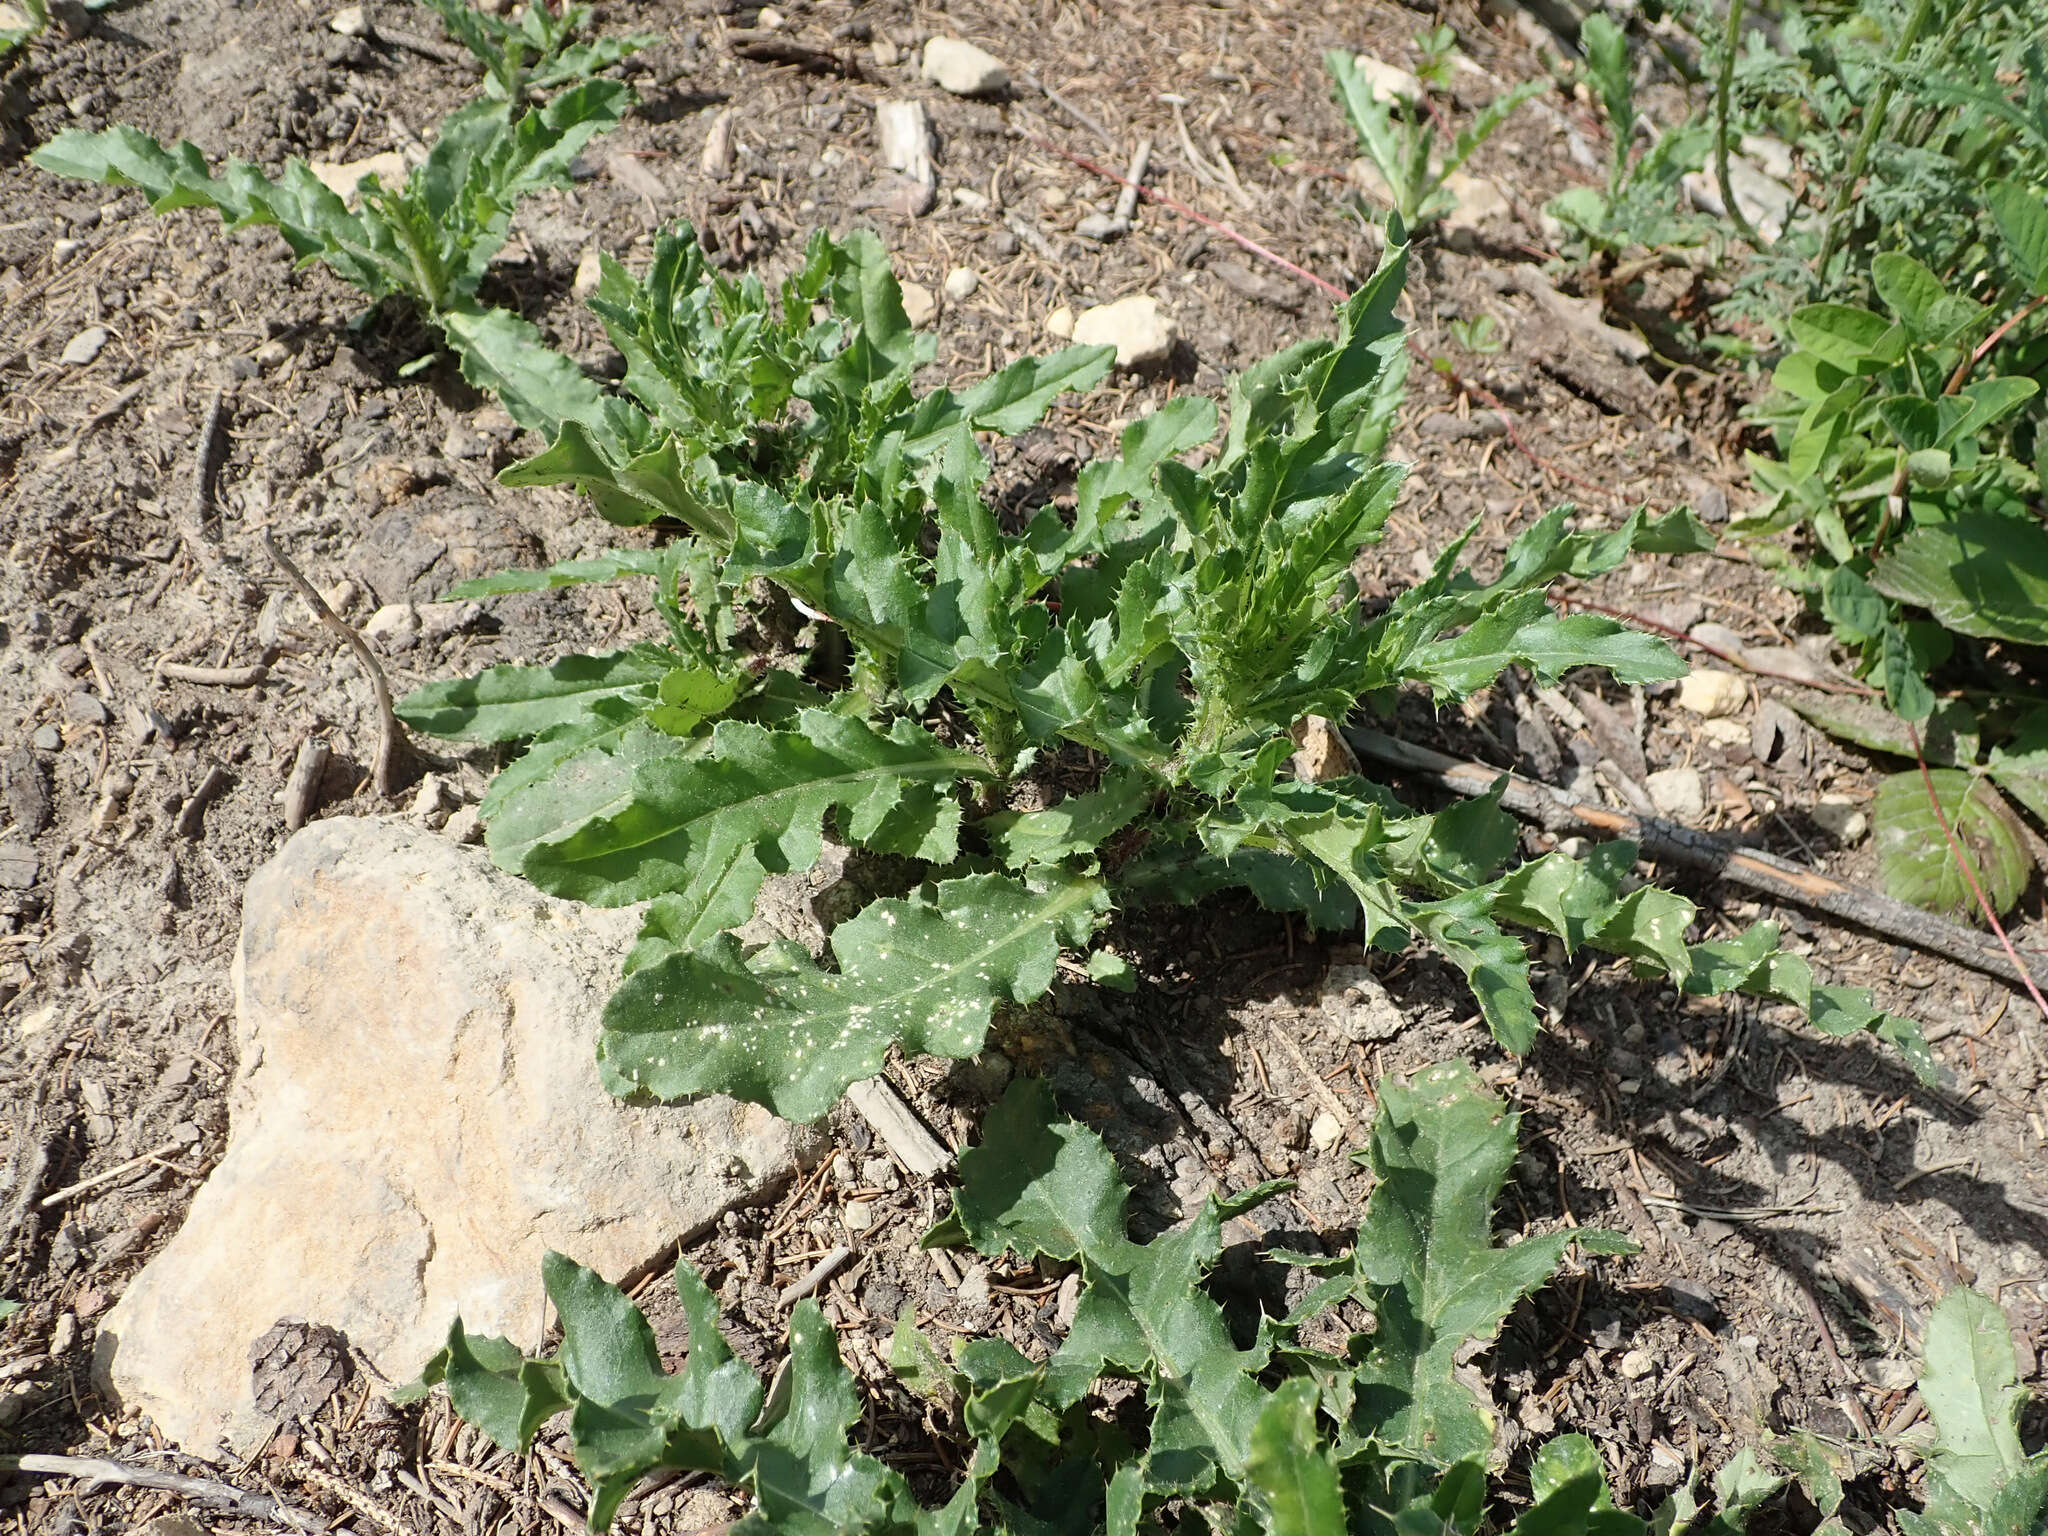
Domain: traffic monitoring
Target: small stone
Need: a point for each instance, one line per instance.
(859, 1216)
(1678, 793)
(1140, 329)
(919, 305)
(47, 738)
(85, 709)
(395, 626)
(878, 1173)
(85, 346)
(842, 1170)
(887, 54)
(1389, 82)
(1479, 426)
(344, 179)
(962, 68)
(1325, 1131)
(172, 1524)
(64, 1337)
(1358, 1006)
(589, 272)
(1482, 209)
(1709, 692)
(350, 21)
(62, 251)
(769, 19)
(1637, 1363)
(464, 442)
(271, 355)
(1842, 819)
(465, 824)
(433, 800)
(973, 1290)
(1101, 227)
(961, 283)
(1060, 324)
(1724, 733)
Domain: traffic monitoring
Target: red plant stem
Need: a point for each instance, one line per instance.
(1955, 380)
(1566, 600)
(1186, 212)
(1955, 848)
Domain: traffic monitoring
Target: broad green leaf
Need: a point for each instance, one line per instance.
(2021, 765)
(1842, 334)
(2022, 219)
(1980, 1481)
(1427, 1266)
(1978, 574)
(512, 702)
(1915, 856)
(923, 973)
(758, 798)
(1933, 314)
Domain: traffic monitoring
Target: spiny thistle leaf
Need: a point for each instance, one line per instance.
(1038, 1187)
(1427, 1266)
(924, 973)
(756, 800)
(1292, 1475)
(510, 703)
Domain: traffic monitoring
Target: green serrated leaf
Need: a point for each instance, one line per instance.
(924, 973)
(1915, 856)
(1427, 1265)
(1036, 1186)
(755, 800)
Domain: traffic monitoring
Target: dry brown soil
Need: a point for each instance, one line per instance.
(1790, 1192)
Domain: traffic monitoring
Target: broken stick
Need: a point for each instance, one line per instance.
(395, 755)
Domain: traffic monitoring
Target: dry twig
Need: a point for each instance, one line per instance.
(98, 1469)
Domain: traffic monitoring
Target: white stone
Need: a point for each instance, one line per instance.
(343, 179)
(770, 19)
(962, 68)
(1060, 323)
(1709, 692)
(1482, 209)
(350, 21)
(887, 54)
(415, 1119)
(961, 283)
(1325, 1130)
(859, 1215)
(589, 272)
(1724, 732)
(1678, 793)
(1842, 819)
(85, 346)
(1637, 1363)
(1389, 82)
(919, 305)
(394, 626)
(1140, 329)
(903, 137)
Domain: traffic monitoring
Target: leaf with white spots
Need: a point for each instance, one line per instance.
(925, 973)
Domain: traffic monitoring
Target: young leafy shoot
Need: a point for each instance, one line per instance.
(1177, 624)
(432, 237)
(1980, 1482)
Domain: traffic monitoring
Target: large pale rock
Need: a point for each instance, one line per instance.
(416, 1119)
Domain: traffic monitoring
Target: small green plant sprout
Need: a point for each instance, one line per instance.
(1641, 204)
(540, 50)
(430, 239)
(1274, 1435)
(1402, 130)
(1156, 646)
(1481, 335)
